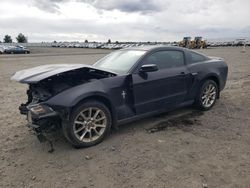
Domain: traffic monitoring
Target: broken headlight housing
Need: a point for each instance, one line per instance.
(40, 109)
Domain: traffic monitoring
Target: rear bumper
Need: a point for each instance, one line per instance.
(223, 76)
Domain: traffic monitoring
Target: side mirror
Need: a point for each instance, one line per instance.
(148, 68)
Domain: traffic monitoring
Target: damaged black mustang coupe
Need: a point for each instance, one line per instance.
(86, 101)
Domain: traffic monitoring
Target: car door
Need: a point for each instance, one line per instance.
(19, 50)
(162, 89)
(15, 50)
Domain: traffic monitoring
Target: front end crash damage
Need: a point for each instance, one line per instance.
(44, 84)
(42, 119)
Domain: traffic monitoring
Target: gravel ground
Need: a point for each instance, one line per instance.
(185, 148)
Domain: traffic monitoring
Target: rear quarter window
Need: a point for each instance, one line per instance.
(195, 57)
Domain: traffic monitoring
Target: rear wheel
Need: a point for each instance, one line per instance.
(207, 95)
(89, 124)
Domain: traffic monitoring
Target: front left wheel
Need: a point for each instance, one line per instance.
(89, 123)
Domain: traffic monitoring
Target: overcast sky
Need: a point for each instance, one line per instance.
(124, 20)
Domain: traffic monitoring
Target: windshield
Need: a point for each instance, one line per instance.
(120, 61)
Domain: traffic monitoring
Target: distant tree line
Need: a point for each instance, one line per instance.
(21, 38)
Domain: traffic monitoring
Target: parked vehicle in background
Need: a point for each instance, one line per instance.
(2, 48)
(86, 101)
(16, 50)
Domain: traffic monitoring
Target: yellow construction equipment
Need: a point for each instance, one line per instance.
(198, 42)
(186, 42)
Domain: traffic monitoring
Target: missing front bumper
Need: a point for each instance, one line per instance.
(43, 127)
(43, 124)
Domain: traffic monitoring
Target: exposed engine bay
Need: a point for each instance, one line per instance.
(49, 87)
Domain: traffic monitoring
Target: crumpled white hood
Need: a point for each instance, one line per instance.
(36, 74)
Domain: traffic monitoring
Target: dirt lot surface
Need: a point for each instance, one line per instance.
(182, 149)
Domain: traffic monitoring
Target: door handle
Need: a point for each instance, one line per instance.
(183, 73)
(193, 73)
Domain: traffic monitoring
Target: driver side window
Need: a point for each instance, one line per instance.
(166, 59)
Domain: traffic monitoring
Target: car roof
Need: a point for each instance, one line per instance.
(159, 47)
(150, 49)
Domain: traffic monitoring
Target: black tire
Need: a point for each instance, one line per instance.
(199, 103)
(69, 128)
